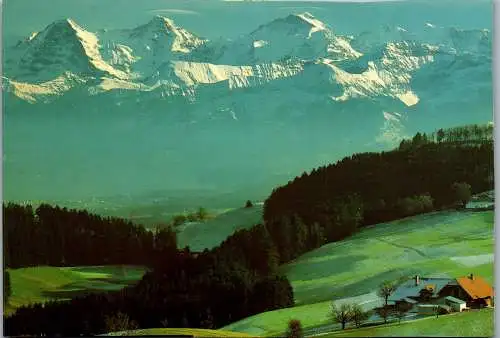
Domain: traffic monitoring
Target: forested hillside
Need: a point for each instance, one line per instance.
(183, 289)
(238, 278)
(423, 174)
(56, 236)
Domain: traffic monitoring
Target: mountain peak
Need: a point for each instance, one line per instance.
(160, 27)
(308, 18)
(303, 24)
(162, 22)
(62, 46)
(64, 25)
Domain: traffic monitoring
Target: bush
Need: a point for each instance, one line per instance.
(294, 329)
(120, 322)
(248, 204)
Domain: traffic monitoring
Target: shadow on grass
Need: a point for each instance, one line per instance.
(330, 292)
(78, 289)
(326, 267)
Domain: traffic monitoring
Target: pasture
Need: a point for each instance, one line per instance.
(43, 283)
(472, 324)
(209, 234)
(179, 332)
(450, 243)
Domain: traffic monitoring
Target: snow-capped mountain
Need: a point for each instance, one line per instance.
(148, 46)
(160, 107)
(61, 47)
(298, 35)
(160, 59)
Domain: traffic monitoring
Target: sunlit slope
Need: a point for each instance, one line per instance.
(44, 283)
(443, 243)
(211, 233)
(471, 324)
(182, 332)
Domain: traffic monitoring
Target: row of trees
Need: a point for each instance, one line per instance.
(56, 236)
(469, 134)
(238, 278)
(198, 216)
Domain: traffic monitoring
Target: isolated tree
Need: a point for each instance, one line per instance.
(342, 314)
(358, 315)
(294, 329)
(164, 322)
(401, 310)
(179, 220)
(120, 322)
(202, 214)
(440, 135)
(384, 312)
(462, 192)
(385, 290)
(248, 204)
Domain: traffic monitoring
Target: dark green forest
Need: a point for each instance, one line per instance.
(421, 175)
(239, 278)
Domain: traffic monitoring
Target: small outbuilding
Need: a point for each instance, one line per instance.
(456, 304)
(427, 309)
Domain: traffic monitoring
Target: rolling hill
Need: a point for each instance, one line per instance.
(43, 283)
(472, 324)
(211, 233)
(442, 243)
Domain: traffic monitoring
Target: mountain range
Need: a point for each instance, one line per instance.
(289, 95)
(165, 60)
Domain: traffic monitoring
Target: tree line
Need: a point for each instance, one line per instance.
(473, 134)
(238, 278)
(334, 201)
(183, 289)
(56, 236)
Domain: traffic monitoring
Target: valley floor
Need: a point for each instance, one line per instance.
(44, 283)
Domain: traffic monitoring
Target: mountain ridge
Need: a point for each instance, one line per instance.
(171, 59)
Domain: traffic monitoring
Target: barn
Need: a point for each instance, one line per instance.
(469, 291)
(474, 290)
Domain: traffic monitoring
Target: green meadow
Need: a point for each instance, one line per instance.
(44, 283)
(180, 331)
(211, 233)
(450, 243)
(472, 324)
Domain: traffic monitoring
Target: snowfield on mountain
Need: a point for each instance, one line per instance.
(227, 108)
(161, 56)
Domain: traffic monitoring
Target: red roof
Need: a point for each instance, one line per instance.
(476, 287)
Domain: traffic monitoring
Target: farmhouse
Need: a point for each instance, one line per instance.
(457, 294)
(474, 290)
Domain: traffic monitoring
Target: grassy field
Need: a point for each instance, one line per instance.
(191, 332)
(40, 284)
(471, 324)
(446, 243)
(211, 233)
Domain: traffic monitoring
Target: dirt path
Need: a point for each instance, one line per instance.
(421, 253)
